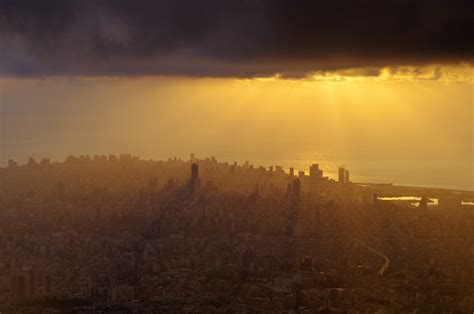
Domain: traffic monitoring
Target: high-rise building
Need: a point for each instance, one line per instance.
(296, 188)
(194, 182)
(289, 190)
(315, 172)
(32, 161)
(292, 172)
(12, 164)
(194, 171)
(279, 169)
(191, 157)
(45, 161)
(346, 176)
(342, 174)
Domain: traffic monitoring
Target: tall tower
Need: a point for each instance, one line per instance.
(194, 182)
(315, 172)
(301, 174)
(296, 188)
(293, 214)
(342, 174)
(31, 161)
(194, 171)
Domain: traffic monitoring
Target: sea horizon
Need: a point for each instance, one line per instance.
(375, 171)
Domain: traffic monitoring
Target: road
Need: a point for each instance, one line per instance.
(386, 263)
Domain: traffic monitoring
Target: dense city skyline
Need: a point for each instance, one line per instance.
(272, 81)
(236, 156)
(95, 233)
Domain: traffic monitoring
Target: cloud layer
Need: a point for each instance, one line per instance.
(241, 38)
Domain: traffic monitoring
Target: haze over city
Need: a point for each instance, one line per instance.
(408, 132)
(273, 82)
(164, 133)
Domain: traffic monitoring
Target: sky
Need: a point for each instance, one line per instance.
(379, 84)
(243, 38)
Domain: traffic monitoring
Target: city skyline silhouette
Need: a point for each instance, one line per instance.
(236, 156)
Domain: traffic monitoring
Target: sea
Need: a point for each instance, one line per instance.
(430, 173)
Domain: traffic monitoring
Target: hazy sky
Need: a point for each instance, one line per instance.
(427, 123)
(385, 81)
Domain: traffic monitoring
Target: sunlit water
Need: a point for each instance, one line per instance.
(413, 200)
(370, 169)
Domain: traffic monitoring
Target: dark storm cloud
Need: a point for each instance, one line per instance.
(228, 38)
